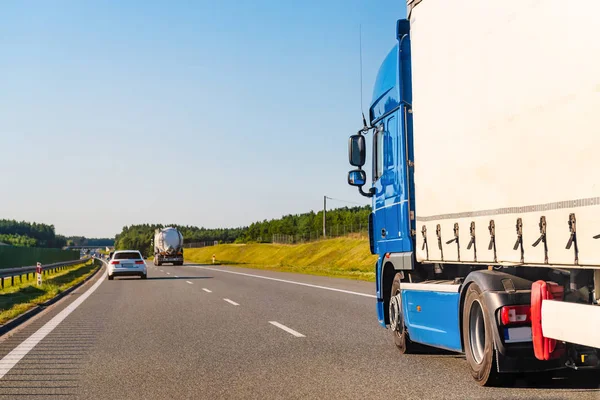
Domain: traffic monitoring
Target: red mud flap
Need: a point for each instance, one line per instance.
(544, 348)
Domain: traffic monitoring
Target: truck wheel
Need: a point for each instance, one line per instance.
(478, 338)
(401, 339)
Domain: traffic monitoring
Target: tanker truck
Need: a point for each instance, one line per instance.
(168, 246)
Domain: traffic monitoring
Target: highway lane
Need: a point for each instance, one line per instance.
(193, 332)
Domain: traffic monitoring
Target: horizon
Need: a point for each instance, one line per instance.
(183, 225)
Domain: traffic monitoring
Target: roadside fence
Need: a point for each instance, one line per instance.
(356, 231)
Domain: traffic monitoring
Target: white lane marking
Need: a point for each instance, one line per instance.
(162, 270)
(175, 276)
(168, 273)
(292, 282)
(189, 282)
(206, 290)
(231, 302)
(285, 328)
(12, 358)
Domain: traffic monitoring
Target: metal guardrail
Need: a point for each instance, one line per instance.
(25, 271)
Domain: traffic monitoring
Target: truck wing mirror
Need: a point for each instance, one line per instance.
(357, 150)
(357, 178)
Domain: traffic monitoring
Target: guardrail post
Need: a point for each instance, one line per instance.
(39, 271)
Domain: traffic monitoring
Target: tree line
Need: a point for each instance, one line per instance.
(29, 234)
(33, 234)
(83, 241)
(353, 218)
(140, 237)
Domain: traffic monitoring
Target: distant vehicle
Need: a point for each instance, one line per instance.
(127, 263)
(168, 246)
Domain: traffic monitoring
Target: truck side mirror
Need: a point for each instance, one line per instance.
(357, 150)
(357, 177)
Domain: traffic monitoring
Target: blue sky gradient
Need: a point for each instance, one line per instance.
(206, 113)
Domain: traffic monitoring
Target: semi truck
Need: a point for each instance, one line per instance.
(168, 246)
(485, 184)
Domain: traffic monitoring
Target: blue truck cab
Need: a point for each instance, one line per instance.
(392, 227)
(453, 306)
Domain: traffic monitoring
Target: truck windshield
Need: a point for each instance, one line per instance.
(128, 255)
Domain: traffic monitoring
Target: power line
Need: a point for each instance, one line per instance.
(346, 201)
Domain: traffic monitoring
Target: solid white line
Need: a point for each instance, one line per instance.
(206, 290)
(189, 282)
(285, 328)
(12, 358)
(292, 282)
(231, 302)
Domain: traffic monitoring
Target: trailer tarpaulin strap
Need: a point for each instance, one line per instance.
(544, 348)
(410, 4)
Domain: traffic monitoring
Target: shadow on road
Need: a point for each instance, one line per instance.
(574, 381)
(585, 381)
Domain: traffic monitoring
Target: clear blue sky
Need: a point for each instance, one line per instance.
(208, 113)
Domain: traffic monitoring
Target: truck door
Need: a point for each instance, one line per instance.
(387, 185)
(391, 183)
(379, 220)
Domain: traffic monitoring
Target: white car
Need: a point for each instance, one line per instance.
(127, 263)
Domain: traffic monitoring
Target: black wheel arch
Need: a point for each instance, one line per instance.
(388, 272)
(495, 295)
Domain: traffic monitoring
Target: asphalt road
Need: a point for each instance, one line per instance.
(203, 333)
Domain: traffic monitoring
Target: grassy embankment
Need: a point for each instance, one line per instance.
(15, 300)
(341, 257)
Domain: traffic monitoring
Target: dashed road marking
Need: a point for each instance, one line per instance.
(231, 302)
(207, 290)
(285, 328)
(189, 282)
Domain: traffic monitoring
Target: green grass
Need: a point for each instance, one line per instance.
(341, 257)
(15, 300)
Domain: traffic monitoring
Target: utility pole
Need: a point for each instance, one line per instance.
(324, 215)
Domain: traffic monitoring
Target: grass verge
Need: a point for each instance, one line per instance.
(341, 257)
(15, 300)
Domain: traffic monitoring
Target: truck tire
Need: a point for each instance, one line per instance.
(477, 325)
(397, 326)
